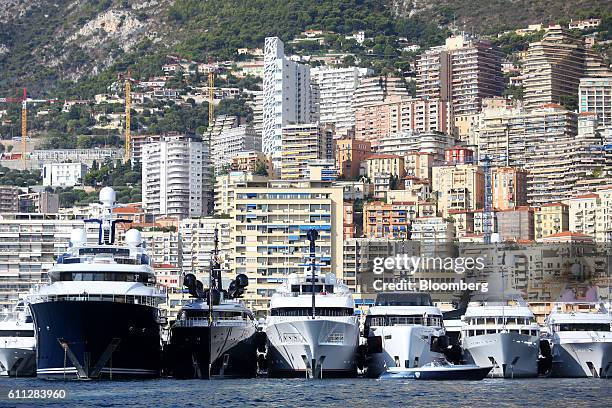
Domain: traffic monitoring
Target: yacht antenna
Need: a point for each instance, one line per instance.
(212, 283)
(312, 237)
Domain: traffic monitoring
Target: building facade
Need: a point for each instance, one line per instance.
(231, 142)
(269, 227)
(302, 144)
(458, 187)
(286, 95)
(332, 96)
(63, 174)
(595, 96)
(176, 177)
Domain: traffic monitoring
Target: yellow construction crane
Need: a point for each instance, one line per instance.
(24, 119)
(128, 114)
(211, 92)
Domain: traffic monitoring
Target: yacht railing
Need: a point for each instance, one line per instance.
(434, 321)
(87, 297)
(204, 322)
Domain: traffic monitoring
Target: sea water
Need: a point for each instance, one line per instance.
(345, 393)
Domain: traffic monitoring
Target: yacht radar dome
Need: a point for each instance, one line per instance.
(108, 196)
(78, 237)
(133, 238)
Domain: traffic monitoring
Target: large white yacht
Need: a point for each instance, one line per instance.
(502, 333)
(403, 330)
(581, 340)
(99, 315)
(315, 346)
(17, 343)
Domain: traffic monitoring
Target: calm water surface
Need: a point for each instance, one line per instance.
(558, 393)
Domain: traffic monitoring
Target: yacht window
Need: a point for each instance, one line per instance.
(107, 276)
(479, 332)
(602, 327)
(388, 320)
(306, 311)
(16, 333)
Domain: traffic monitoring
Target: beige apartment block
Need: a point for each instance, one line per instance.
(591, 214)
(459, 187)
(301, 144)
(349, 153)
(554, 66)
(549, 219)
(268, 238)
(508, 187)
(397, 114)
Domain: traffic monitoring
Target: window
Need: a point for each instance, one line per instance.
(306, 311)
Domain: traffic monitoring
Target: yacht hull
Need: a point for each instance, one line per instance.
(512, 355)
(96, 339)
(402, 347)
(17, 361)
(582, 359)
(224, 351)
(314, 348)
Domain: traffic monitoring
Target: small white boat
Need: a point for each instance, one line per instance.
(438, 370)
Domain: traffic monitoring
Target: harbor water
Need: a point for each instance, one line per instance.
(318, 393)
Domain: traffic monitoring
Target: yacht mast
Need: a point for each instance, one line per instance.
(312, 237)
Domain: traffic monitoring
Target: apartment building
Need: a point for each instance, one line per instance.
(458, 187)
(286, 96)
(516, 224)
(226, 184)
(231, 142)
(9, 199)
(332, 95)
(37, 202)
(349, 153)
(250, 161)
(357, 263)
(595, 96)
(591, 214)
(419, 164)
(377, 90)
(269, 227)
(435, 235)
(388, 220)
(197, 237)
(508, 188)
(30, 246)
(553, 69)
(176, 177)
(555, 146)
(463, 72)
(63, 174)
(163, 245)
(549, 219)
(408, 142)
(397, 114)
(302, 144)
(385, 172)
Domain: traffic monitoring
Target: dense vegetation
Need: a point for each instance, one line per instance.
(19, 178)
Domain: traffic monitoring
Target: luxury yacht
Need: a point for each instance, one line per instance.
(403, 330)
(99, 315)
(502, 333)
(214, 334)
(580, 339)
(17, 343)
(312, 333)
